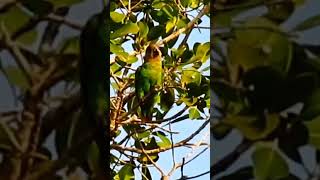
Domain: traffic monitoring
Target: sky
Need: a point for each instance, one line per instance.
(226, 146)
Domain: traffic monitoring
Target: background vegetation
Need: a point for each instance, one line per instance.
(266, 82)
(138, 148)
(42, 134)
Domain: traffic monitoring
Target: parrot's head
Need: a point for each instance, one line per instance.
(153, 53)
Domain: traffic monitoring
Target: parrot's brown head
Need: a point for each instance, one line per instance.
(153, 53)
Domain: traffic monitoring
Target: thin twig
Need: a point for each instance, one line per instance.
(191, 24)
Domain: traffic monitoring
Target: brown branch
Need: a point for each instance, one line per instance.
(161, 149)
(62, 20)
(229, 159)
(150, 159)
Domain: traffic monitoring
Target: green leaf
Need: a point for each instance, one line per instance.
(116, 48)
(224, 19)
(130, 28)
(194, 113)
(314, 131)
(182, 22)
(189, 76)
(155, 32)
(117, 17)
(311, 108)
(71, 46)
(167, 9)
(220, 130)
(171, 24)
(189, 101)
(145, 160)
(311, 22)
(126, 172)
(158, 4)
(195, 4)
(142, 135)
(14, 18)
(126, 57)
(268, 163)
(165, 142)
(185, 3)
(28, 38)
(251, 127)
(203, 51)
(167, 99)
(143, 29)
(259, 42)
(17, 77)
(93, 157)
(115, 68)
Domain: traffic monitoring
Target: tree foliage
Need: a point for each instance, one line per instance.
(44, 134)
(267, 84)
(184, 96)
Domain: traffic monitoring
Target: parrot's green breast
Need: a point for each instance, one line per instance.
(148, 77)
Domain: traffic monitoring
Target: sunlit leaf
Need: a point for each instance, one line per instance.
(194, 113)
(130, 28)
(252, 127)
(268, 163)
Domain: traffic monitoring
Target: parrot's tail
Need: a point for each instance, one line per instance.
(146, 115)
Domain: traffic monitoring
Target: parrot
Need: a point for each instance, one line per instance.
(148, 77)
(94, 82)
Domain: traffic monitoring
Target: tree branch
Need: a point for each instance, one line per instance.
(161, 149)
(15, 51)
(190, 25)
(228, 160)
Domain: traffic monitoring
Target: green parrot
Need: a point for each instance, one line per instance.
(148, 77)
(94, 73)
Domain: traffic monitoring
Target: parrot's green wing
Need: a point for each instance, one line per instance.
(142, 83)
(147, 77)
(94, 71)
